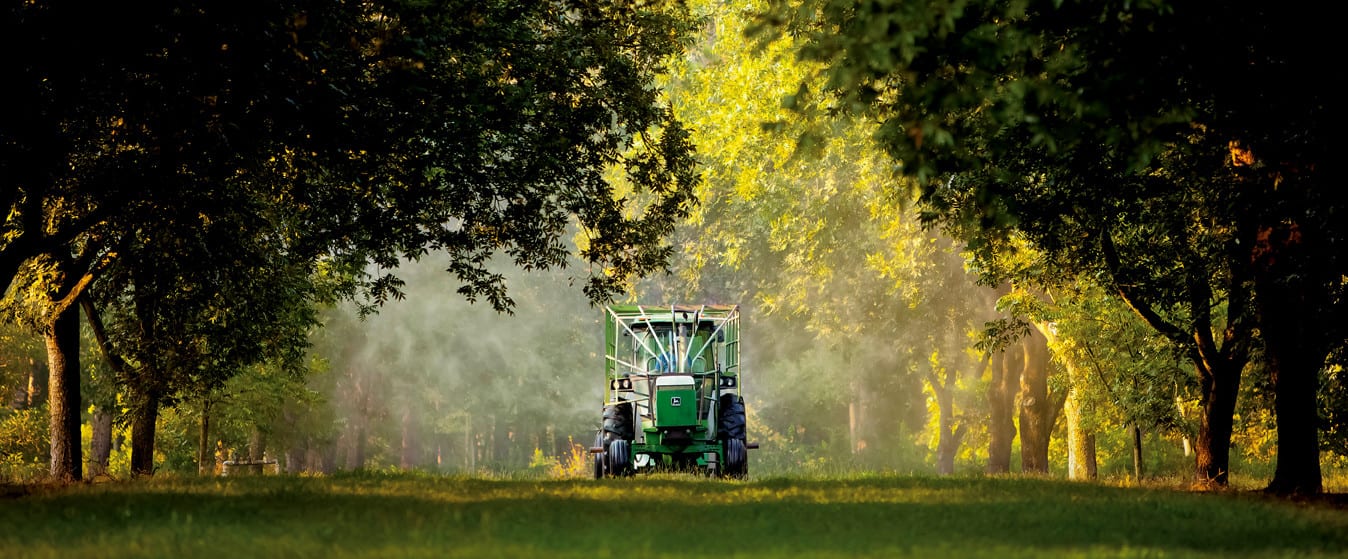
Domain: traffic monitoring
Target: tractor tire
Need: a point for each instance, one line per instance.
(618, 422)
(736, 459)
(731, 420)
(620, 458)
(599, 457)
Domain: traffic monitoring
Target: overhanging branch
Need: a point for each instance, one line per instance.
(1136, 303)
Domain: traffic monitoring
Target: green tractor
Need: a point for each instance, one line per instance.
(672, 399)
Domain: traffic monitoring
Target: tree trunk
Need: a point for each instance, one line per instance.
(1296, 383)
(295, 459)
(551, 434)
(946, 445)
(1081, 463)
(63, 385)
(143, 421)
(1037, 409)
(1005, 368)
(205, 451)
(321, 457)
(100, 444)
(1186, 442)
(297, 448)
(1137, 451)
(19, 397)
(1293, 307)
(1219, 365)
(38, 378)
(950, 431)
(314, 459)
(411, 448)
(355, 458)
(355, 455)
(439, 453)
(257, 445)
(31, 391)
(1220, 384)
(856, 416)
(469, 445)
(501, 443)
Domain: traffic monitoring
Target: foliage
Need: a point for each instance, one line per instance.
(370, 130)
(575, 463)
(119, 459)
(23, 444)
(196, 160)
(817, 241)
(1137, 138)
(1334, 407)
(1131, 375)
(229, 299)
(175, 449)
(259, 400)
(19, 349)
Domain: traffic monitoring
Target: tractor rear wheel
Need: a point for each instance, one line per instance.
(618, 421)
(599, 456)
(730, 423)
(619, 458)
(730, 428)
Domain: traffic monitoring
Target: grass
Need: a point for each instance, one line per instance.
(409, 515)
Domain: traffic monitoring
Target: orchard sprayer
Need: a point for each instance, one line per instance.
(672, 399)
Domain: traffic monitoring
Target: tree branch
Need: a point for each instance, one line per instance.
(957, 438)
(1200, 304)
(1134, 300)
(936, 385)
(1236, 338)
(93, 262)
(95, 319)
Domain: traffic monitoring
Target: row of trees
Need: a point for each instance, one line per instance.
(199, 176)
(1179, 155)
(996, 224)
(823, 234)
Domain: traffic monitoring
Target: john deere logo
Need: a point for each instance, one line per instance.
(675, 401)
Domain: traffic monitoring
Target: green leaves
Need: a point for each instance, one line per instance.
(374, 131)
(215, 170)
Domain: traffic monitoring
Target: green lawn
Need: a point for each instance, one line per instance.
(648, 517)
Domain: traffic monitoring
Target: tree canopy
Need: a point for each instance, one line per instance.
(352, 132)
(1194, 135)
(370, 130)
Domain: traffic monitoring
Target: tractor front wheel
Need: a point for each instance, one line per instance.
(620, 458)
(736, 459)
